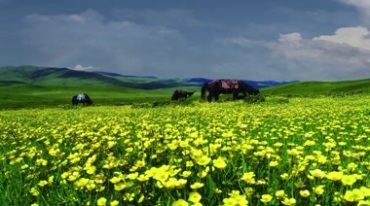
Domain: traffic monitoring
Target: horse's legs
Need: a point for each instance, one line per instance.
(209, 97)
(217, 95)
(235, 95)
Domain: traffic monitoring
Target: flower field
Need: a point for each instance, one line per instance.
(308, 151)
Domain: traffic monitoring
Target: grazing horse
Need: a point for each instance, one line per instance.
(227, 86)
(179, 94)
(81, 98)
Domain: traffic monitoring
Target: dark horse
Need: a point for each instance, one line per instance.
(179, 94)
(227, 86)
(81, 98)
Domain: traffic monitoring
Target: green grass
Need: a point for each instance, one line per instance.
(50, 96)
(84, 156)
(312, 88)
(34, 87)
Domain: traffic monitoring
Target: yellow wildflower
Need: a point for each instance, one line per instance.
(317, 173)
(114, 203)
(42, 183)
(348, 180)
(235, 199)
(196, 185)
(354, 195)
(266, 198)
(248, 177)
(319, 190)
(304, 193)
(34, 191)
(289, 201)
(334, 176)
(219, 163)
(101, 201)
(194, 196)
(280, 194)
(180, 202)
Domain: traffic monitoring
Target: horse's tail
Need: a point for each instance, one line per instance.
(88, 100)
(203, 90)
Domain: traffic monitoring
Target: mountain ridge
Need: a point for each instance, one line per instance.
(44, 76)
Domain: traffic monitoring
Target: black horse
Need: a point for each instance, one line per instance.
(227, 86)
(81, 98)
(179, 94)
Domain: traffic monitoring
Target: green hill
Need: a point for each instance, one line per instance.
(31, 86)
(310, 88)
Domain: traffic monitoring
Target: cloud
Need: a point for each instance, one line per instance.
(88, 38)
(343, 55)
(147, 43)
(83, 68)
(363, 6)
(357, 37)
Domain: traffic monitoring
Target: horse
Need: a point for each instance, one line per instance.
(179, 94)
(81, 98)
(227, 86)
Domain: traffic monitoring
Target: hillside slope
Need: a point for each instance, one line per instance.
(320, 88)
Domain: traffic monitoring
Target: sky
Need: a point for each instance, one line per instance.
(281, 40)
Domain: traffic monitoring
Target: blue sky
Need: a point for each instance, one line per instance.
(279, 40)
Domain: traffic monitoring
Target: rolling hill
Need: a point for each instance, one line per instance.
(64, 77)
(32, 86)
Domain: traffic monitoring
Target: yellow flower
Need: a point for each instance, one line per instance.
(196, 185)
(304, 193)
(235, 199)
(202, 160)
(334, 176)
(42, 183)
(186, 173)
(180, 202)
(348, 180)
(280, 194)
(363, 203)
(317, 173)
(284, 176)
(354, 195)
(120, 186)
(319, 190)
(289, 201)
(273, 163)
(114, 203)
(101, 201)
(90, 169)
(293, 152)
(34, 191)
(219, 163)
(266, 198)
(365, 190)
(194, 196)
(82, 182)
(170, 183)
(248, 177)
(180, 183)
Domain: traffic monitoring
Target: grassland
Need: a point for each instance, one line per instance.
(303, 151)
(307, 144)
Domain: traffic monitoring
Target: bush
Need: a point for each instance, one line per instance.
(254, 99)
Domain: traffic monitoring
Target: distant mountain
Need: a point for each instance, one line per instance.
(65, 77)
(255, 84)
(120, 75)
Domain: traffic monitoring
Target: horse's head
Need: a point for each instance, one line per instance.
(191, 93)
(256, 91)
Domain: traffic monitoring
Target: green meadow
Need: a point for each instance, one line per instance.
(284, 151)
(307, 143)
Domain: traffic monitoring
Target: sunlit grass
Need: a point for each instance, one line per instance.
(305, 152)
